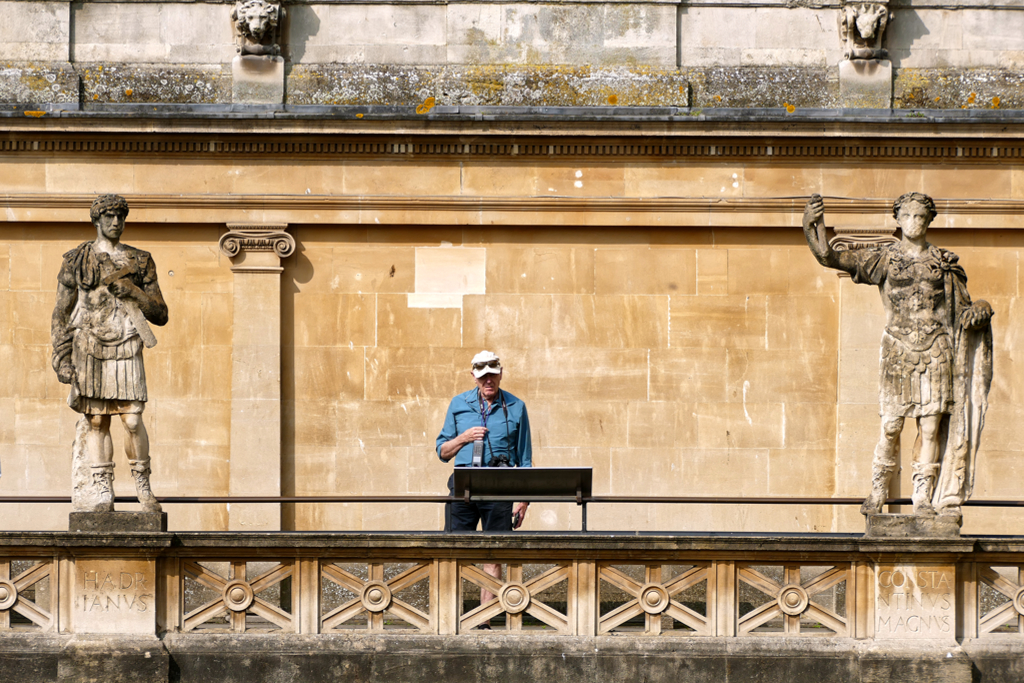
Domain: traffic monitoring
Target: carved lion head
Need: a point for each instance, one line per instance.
(868, 17)
(254, 18)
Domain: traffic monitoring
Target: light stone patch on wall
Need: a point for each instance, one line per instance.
(366, 34)
(597, 34)
(445, 274)
(166, 33)
(733, 36)
(34, 31)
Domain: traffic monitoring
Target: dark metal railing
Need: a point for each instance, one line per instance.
(682, 500)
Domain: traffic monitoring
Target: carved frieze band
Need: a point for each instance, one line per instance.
(969, 152)
(243, 237)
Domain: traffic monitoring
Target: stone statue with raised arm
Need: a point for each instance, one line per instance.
(935, 361)
(107, 294)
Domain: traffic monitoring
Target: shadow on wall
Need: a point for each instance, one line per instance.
(301, 271)
(302, 24)
(906, 28)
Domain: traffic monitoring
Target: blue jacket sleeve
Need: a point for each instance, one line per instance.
(525, 446)
(447, 431)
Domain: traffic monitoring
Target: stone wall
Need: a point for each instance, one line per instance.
(678, 350)
(749, 54)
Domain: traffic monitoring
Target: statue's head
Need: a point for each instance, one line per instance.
(108, 203)
(255, 18)
(917, 197)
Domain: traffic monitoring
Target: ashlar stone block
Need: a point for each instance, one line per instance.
(114, 595)
(915, 601)
(257, 80)
(865, 83)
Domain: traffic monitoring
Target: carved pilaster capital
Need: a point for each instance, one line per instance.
(854, 238)
(248, 237)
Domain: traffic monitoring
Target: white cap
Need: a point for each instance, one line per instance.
(485, 362)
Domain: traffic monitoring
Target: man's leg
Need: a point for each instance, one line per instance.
(100, 452)
(136, 447)
(883, 465)
(926, 464)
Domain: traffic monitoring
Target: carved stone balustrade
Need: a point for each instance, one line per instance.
(219, 604)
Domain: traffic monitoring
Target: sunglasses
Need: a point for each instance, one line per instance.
(488, 364)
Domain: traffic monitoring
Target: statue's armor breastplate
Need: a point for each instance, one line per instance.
(916, 291)
(101, 314)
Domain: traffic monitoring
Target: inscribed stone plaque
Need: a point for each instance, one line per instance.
(915, 601)
(115, 596)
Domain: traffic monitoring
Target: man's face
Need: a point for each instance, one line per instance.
(488, 385)
(110, 224)
(914, 219)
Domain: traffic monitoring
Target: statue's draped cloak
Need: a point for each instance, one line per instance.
(961, 429)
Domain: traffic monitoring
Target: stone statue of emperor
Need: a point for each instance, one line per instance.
(936, 356)
(107, 294)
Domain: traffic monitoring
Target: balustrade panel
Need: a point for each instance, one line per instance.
(28, 595)
(1000, 600)
(238, 596)
(527, 597)
(655, 598)
(378, 596)
(792, 599)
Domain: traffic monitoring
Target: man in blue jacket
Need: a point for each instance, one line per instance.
(497, 420)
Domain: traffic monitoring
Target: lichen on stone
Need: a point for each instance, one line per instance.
(522, 86)
(146, 83)
(751, 87)
(38, 83)
(977, 88)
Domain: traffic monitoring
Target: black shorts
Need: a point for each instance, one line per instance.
(496, 516)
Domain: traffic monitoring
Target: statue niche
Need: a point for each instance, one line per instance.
(862, 29)
(257, 27)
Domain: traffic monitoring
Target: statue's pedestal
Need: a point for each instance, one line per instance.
(911, 526)
(865, 83)
(257, 80)
(117, 522)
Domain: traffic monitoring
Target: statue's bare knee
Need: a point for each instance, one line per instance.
(98, 423)
(132, 422)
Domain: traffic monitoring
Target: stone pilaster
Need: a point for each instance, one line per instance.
(256, 252)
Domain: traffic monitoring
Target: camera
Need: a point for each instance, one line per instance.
(500, 461)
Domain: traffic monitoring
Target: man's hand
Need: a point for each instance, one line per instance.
(978, 315)
(66, 373)
(450, 448)
(473, 434)
(519, 514)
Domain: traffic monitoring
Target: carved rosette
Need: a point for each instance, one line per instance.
(8, 594)
(514, 598)
(238, 595)
(793, 599)
(241, 238)
(376, 596)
